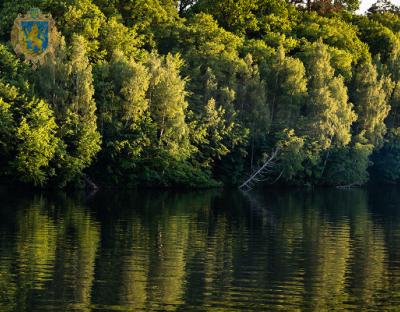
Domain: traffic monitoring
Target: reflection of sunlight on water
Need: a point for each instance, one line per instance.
(324, 250)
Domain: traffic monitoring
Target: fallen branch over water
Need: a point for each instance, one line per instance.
(352, 185)
(259, 175)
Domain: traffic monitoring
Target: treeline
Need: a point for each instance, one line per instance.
(198, 93)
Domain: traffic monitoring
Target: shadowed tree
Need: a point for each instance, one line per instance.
(370, 104)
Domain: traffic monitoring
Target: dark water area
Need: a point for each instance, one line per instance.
(293, 250)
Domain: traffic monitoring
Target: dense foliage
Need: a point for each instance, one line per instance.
(194, 93)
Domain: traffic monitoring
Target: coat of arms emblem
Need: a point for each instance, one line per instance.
(32, 35)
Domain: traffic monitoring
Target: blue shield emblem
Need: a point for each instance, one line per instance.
(35, 36)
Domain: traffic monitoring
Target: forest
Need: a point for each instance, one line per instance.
(198, 93)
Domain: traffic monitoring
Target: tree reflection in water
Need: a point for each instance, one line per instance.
(321, 250)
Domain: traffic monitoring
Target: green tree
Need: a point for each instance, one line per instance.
(287, 86)
(328, 114)
(369, 98)
(383, 6)
(167, 104)
(209, 132)
(291, 154)
(235, 16)
(379, 38)
(28, 139)
(252, 105)
(123, 110)
(114, 35)
(27, 126)
(348, 165)
(386, 161)
(36, 143)
(7, 128)
(68, 86)
(85, 19)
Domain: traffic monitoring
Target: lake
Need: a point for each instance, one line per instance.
(292, 250)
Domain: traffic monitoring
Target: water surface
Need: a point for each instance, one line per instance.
(297, 250)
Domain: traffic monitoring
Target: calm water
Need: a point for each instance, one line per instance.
(325, 250)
